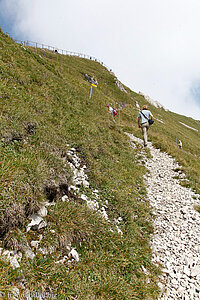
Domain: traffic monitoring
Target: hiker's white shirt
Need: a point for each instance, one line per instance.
(147, 113)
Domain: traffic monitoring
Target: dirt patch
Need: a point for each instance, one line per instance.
(54, 192)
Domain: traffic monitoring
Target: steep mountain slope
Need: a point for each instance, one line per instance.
(50, 129)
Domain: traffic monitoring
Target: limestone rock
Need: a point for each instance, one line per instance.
(42, 212)
(65, 198)
(36, 223)
(73, 253)
(29, 253)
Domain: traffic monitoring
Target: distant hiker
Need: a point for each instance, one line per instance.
(143, 117)
(114, 112)
(110, 108)
(180, 145)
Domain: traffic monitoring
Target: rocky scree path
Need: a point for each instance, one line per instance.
(176, 239)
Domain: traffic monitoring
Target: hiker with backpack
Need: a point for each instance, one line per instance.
(145, 119)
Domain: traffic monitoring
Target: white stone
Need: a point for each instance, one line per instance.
(36, 220)
(197, 248)
(151, 101)
(42, 212)
(29, 254)
(18, 255)
(61, 261)
(74, 254)
(12, 257)
(104, 213)
(35, 244)
(195, 271)
(44, 251)
(93, 204)
(14, 262)
(186, 271)
(119, 230)
(180, 290)
(6, 253)
(86, 183)
(73, 187)
(84, 197)
(50, 203)
(65, 198)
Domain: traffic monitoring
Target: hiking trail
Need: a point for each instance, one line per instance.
(176, 240)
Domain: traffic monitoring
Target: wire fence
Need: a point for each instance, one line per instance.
(60, 51)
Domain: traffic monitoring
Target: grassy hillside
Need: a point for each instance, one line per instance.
(45, 110)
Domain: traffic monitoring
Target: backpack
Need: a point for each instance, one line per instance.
(114, 112)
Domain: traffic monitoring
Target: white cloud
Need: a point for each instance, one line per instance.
(152, 45)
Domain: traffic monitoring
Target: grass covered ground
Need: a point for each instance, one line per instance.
(44, 111)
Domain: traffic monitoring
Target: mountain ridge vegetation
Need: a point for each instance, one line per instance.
(45, 112)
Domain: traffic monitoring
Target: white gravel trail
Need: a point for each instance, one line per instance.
(176, 239)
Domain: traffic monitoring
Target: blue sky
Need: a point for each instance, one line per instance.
(152, 46)
(195, 92)
(6, 24)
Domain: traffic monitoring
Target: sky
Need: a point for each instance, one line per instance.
(152, 46)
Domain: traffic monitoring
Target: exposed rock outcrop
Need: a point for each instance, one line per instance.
(151, 101)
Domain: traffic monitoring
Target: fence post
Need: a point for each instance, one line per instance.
(65, 52)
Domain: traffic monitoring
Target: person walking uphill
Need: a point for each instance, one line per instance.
(143, 117)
